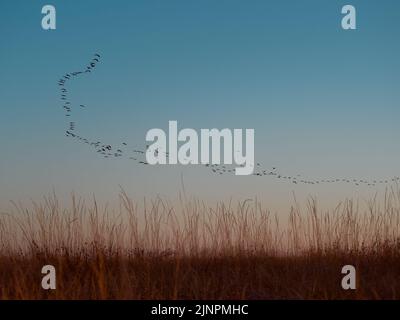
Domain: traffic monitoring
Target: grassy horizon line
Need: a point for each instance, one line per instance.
(195, 251)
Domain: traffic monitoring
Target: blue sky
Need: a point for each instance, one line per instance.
(323, 101)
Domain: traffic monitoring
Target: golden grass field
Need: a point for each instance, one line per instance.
(156, 250)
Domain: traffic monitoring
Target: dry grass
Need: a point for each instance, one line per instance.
(155, 250)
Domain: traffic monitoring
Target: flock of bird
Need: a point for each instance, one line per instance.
(138, 154)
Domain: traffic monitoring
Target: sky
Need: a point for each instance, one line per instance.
(323, 101)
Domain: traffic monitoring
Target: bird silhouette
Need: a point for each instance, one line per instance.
(105, 149)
